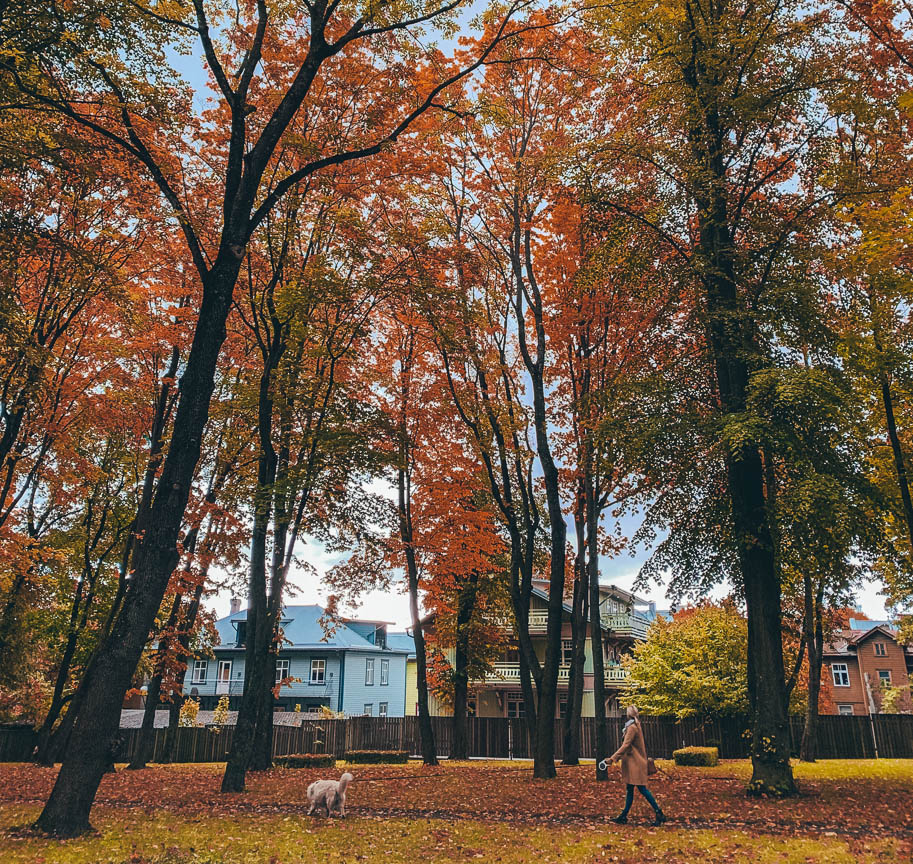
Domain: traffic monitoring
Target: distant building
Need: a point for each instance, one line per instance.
(352, 669)
(861, 661)
(625, 619)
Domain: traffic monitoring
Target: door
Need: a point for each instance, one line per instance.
(224, 679)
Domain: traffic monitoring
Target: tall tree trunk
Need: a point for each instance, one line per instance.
(109, 676)
(425, 729)
(142, 753)
(466, 604)
(592, 564)
(259, 633)
(814, 641)
(578, 655)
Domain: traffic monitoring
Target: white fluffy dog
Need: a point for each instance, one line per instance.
(330, 794)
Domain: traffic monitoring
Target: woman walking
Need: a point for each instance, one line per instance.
(633, 757)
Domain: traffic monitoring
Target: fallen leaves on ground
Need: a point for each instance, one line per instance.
(847, 798)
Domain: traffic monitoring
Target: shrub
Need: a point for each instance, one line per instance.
(704, 757)
(188, 714)
(377, 757)
(220, 715)
(306, 760)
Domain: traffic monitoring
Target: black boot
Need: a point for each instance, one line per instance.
(660, 818)
(621, 819)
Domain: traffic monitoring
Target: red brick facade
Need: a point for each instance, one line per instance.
(858, 661)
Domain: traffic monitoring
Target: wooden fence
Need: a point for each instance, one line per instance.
(502, 738)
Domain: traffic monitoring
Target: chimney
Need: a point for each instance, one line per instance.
(235, 605)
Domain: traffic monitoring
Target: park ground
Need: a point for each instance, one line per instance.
(848, 811)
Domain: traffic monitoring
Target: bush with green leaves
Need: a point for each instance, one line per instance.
(377, 757)
(702, 757)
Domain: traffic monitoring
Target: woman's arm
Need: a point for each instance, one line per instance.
(627, 744)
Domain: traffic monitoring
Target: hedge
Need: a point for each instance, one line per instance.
(377, 757)
(306, 760)
(704, 757)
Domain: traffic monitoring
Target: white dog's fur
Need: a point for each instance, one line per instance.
(330, 794)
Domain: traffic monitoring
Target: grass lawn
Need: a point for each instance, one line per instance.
(849, 811)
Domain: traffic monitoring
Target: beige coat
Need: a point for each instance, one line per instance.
(633, 755)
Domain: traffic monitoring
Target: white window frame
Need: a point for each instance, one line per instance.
(472, 706)
(384, 672)
(881, 649)
(843, 670)
(845, 710)
(515, 700)
(369, 709)
(282, 668)
(381, 709)
(200, 670)
(567, 651)
(884, 677)
(369, 672)
(318, 671)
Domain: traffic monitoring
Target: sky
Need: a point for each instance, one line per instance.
(393, 606)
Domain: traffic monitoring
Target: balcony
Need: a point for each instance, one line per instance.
(538, 622)
(629, 625)
(615, 675)
(509, 673)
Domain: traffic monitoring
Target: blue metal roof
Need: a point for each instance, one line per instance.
(857, 624)
(301, 625)
(402, 642)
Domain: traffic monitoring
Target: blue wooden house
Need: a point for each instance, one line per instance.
(351, 669)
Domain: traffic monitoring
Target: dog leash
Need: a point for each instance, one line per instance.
(604, 766)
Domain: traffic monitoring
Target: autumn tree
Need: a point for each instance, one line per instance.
(126, 98)
(746, 91)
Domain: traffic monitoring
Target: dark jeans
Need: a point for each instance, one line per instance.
(629, 799)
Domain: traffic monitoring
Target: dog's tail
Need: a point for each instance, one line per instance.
(344, 781)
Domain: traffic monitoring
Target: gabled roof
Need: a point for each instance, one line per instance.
(301, 626)
(862, 635)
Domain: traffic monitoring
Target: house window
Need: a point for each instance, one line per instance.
(369, 672)
(242, 632)
(199, 671)
(471, 706)
(318, 671)
(884, 675)
(515, 706)
(880, 649)
(845, 710)
(381, 709)
(223, 684)
(281, 670)
(562, 707)
(841, 674)
(384, 672)
(369, 709)
(567, 651)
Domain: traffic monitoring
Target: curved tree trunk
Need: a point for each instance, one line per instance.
(109, 676)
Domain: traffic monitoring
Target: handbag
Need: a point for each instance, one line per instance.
(651, 766)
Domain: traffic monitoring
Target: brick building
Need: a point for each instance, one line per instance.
(862, 661)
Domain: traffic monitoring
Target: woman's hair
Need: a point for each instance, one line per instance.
(633, 713)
